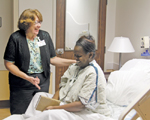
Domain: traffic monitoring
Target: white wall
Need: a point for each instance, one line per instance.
(6, 12)
(132, 19)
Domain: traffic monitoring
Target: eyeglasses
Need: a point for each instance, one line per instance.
(37, 22)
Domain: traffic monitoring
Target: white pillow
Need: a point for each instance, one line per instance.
(124, 86)
(133, 63)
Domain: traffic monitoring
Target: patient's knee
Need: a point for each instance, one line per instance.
(53, 114)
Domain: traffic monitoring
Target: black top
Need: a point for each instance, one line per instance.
(17, 50)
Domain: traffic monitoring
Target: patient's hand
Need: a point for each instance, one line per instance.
(71, 107)
(49, 108)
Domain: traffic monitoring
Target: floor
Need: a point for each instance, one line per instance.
(4, 113)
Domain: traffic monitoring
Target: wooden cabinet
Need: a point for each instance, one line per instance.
(4, 85)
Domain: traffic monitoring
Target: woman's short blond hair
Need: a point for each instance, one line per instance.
(27, 18)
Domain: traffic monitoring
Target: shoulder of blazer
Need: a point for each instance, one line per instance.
(18, 34)
(43, 34)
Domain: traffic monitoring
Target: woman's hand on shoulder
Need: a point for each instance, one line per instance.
(57, 61)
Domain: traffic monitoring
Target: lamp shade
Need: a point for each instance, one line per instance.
(121, 45)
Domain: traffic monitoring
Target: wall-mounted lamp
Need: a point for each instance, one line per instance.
(121, 45)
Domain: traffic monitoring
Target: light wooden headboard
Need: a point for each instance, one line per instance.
(141, 105)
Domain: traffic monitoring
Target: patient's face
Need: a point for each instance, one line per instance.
(81, 57)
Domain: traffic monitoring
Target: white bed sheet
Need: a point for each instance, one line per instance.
(115, 109)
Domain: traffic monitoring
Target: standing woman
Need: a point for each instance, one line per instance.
(28, 55)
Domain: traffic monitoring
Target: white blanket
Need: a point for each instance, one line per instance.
(57, 114)
(84, 115)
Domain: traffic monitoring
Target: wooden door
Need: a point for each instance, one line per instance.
(60, 37)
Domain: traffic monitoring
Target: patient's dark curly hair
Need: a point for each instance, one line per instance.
(87, 43)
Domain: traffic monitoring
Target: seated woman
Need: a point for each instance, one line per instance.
(82, 89)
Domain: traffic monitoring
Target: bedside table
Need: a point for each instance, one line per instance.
(107, 75)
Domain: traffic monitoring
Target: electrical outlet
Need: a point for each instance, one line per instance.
(142, 42)
(145, 42)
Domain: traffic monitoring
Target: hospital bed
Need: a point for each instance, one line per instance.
(127, 92)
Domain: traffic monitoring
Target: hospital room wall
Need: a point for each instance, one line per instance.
(127, 18)
(6, 29)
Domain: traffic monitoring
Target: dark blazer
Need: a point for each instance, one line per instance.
(17, 50)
